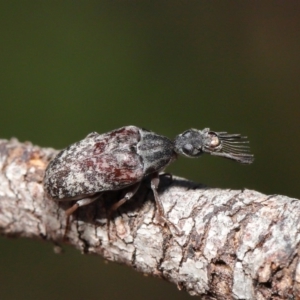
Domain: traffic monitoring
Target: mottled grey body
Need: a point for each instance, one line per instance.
(110, 161)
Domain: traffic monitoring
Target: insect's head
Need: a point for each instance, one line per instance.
(194, 142)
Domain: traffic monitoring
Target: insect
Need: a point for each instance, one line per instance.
(124, 157)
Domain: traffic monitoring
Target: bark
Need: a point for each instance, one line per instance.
(237, 244)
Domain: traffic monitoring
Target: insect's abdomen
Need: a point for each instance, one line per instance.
(100, 162)
(156, 151)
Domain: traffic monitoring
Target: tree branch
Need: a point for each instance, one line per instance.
(236, 244)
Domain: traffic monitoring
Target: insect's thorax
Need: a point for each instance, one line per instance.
(155, 150)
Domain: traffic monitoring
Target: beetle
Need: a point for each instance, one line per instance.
(124, 157)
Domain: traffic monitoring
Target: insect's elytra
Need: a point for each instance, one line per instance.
(125, 156)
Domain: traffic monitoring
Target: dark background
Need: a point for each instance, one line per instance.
(68, 68)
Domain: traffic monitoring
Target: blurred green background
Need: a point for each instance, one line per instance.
(72, 67)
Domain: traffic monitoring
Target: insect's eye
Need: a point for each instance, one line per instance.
(187, 149)
(190, 150)
(214, 140)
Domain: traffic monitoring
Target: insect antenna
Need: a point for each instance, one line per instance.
(233, 146)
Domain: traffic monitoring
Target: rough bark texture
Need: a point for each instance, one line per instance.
(237, 244)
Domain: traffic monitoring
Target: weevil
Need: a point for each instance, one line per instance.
(124, 157)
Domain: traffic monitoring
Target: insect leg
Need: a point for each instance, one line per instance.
(82, 202)
(160, 208)
(132, 190)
